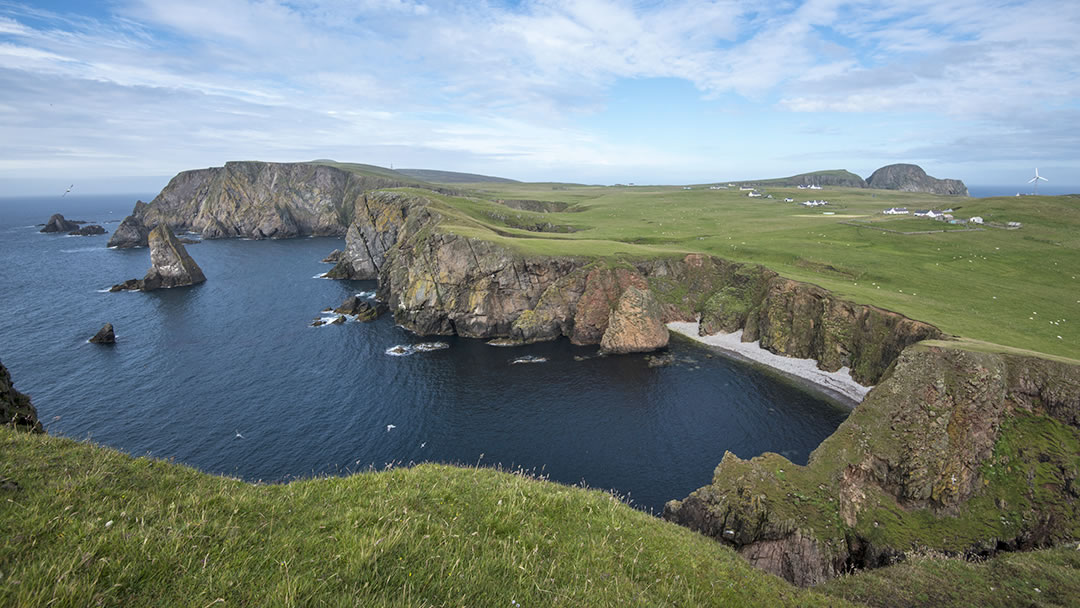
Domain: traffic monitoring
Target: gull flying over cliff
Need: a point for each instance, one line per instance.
(68, 190)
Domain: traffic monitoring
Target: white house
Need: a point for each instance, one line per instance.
(753, 194)
(745, 188)
(976, 220)
(789, 200)
(896, 211)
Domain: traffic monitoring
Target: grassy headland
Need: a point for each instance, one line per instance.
(1016, 288)
(90, 526)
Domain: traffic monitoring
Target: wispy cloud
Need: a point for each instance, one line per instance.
(515, 84)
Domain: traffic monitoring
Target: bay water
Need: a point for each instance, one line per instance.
(230, 377)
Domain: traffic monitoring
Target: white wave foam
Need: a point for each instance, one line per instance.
(106, 290)
(370, 295)
(81, 250)
(529, 359)
(404, 350)
(319, 276)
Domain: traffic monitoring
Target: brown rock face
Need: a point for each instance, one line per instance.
(986, 446)
(15, 407)
(636, 324)
(131, 232)
(912, 178)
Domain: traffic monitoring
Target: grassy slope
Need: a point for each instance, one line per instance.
(1017, 288)
(1039, 578)
(91, 526)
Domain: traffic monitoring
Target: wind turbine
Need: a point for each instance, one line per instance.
(1035, 180)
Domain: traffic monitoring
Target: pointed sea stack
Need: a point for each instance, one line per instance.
(171, 266)
(57, 223)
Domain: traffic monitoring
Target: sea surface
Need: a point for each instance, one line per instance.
(230, 377)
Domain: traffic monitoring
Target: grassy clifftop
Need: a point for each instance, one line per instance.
(87, 526)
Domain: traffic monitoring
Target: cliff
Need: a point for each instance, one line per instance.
(912, 178)
(436, 282)
(955, 451)
(15, 407)
(256, 200)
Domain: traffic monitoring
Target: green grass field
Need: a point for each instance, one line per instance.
(1016, 288)
(89, 526)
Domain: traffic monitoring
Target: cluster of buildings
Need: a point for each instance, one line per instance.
(810, 187)
(814, 203)
(944, 216)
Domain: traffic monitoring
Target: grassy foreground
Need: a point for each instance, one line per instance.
(90, 526)
(1017, 288)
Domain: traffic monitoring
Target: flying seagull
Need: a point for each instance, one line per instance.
(390, 426)
(68, 190)
(239, 436)
(1035, 180)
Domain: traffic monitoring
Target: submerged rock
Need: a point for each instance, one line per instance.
(15, 407)
(130, 233)
(57, 223)
(90, 230)
(360, 308)
(104, 336)
(171, 266)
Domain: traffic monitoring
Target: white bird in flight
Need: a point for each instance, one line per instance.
(423, 444)
(390, 426)
(68, 190)
(239, 436)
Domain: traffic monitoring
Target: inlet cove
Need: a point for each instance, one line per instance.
(362, 385)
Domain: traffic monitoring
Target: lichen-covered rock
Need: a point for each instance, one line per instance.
(912, 178)
(105, 335)
(955, 451)
(333, 257)
(57, 223)
(131, 232)
(635, 325)
(360, 308)
(15, 407)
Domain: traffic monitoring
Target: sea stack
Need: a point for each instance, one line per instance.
(131, 232)
(170, 264)
(912, 178)
(90, 230)
(57, 223)
(105, 335)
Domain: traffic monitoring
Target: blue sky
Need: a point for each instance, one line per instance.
(121, 93)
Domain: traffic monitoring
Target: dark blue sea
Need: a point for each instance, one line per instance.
(193, 367)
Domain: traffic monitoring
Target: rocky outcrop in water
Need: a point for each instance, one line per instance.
(912, 178)
(15, 407)
(105, 335)
(88, 230)
(171, 266)
(955, 451)
(131, 232)
(360, 308)
(57, 223)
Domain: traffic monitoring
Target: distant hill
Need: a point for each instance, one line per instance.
(452, 177)
(912, 178)
(833, 177)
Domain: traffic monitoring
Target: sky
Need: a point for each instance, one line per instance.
(120, 95)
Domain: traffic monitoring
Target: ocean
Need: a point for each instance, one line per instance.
(229, 376)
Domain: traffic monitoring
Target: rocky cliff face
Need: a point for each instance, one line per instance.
(256, 200)
(441, 283)
(131, 232)
(956, 451)
(15, 407)
(912, 178)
